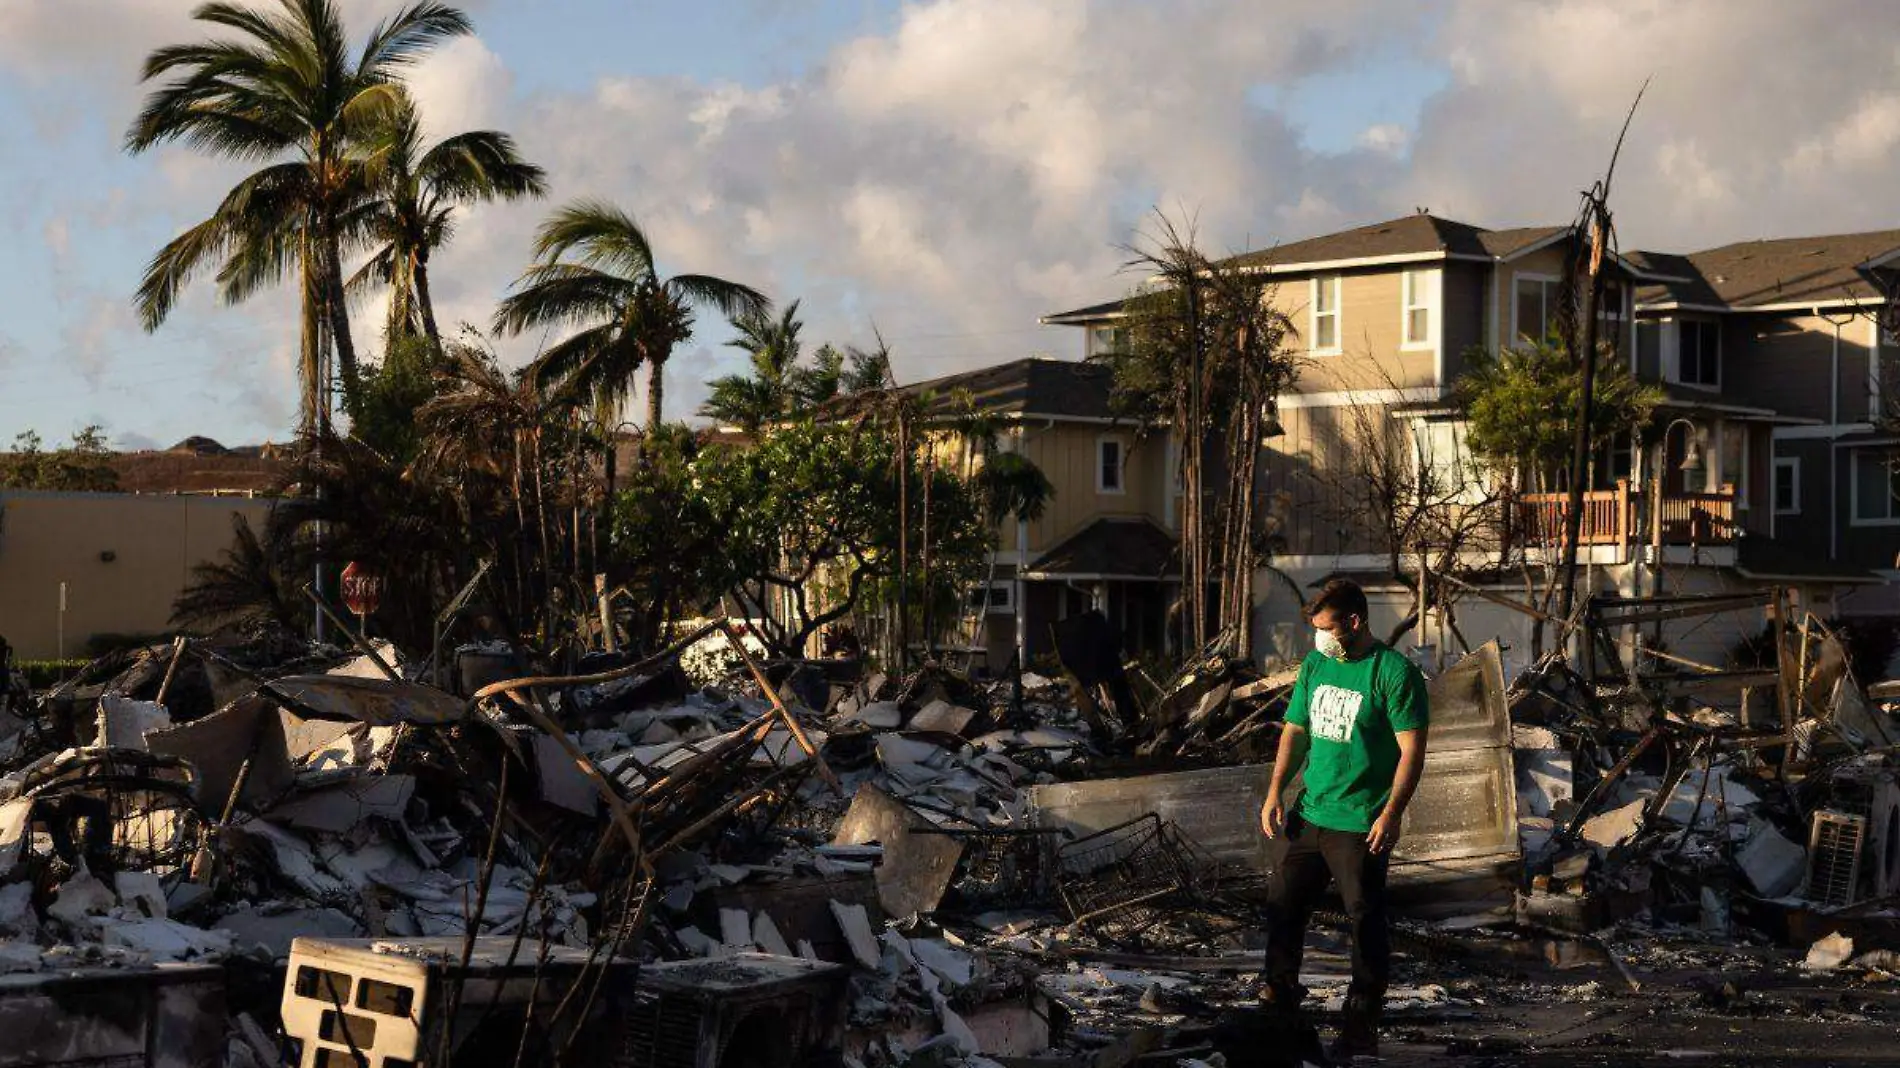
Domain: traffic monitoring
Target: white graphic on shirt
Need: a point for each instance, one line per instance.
(1334, 713)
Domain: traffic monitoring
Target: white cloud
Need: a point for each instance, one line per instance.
(980, 162)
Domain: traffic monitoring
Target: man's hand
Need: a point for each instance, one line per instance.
(1273, 816)
(1384, 833)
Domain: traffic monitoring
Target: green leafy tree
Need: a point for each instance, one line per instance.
(597, 275)
(417, 189)
(393, 392)
(1520, 406)
(284, 86)
(808, 520)
(82, 466)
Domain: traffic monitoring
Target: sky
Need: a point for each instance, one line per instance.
(938, 173)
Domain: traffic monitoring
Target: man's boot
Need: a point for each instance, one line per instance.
(1358, 1030)
(1281, 1000)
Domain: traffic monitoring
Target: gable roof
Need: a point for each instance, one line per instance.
(1125, 547)
(1416, 237)
(1410, 235)
(1034, 385)
(1789, 270)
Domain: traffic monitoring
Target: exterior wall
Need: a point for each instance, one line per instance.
(1371, 316)
(1467, 291)
(1786, 363)
(1066, 453)
(49, 538)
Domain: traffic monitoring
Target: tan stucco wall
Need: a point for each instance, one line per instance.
(49, 538)
(1066, 453)
(1371, 354)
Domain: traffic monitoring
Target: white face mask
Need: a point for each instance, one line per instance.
(1328, 643)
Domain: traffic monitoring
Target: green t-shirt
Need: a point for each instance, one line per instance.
(1352, 711)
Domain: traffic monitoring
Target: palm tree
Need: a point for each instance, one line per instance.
(777, 383)
(417, 191)
(244, 587)
(611, 292)
(284, 88)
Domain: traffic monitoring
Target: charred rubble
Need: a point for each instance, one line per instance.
(292, 853)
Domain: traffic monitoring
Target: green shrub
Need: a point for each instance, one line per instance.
(42, 674)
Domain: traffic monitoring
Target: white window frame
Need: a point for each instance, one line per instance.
(1792, 463)
(1855, 458)
(1314, 315)
(1002, 599)
(1418, 291)
(1517, 331)
(1121, 464)
(1676, 368)
(1116, 335)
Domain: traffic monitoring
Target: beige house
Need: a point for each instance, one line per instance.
(1768, 354)
(73, 565)
(1106, 539)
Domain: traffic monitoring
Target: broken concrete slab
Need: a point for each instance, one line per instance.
(917, 866)
(895, 750)
(1607, 830)
(562, 781)
(340, 808)
(944, 717)
(800, 907)
(276, 929)
(142, 891)
(1773, 865)
(765, 935)
(735, 928)
(123, 722)
(856, 926)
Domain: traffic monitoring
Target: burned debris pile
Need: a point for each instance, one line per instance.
(921, 869)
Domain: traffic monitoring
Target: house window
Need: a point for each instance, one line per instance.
(1699, 353)
(1536, 308)
(1106, 339)
(992, 599)
(1326, 314)
(1109, 463)
(1788, 485)
(1615, 460)
(1876, 482)
(1417, 288)
(1613, 317)
(1447, 472)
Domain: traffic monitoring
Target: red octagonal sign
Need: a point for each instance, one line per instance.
(362, 589)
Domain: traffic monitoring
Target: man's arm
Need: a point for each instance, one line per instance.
(1291, 756)
(1385, 830)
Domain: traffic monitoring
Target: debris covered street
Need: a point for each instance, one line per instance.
(916, 870)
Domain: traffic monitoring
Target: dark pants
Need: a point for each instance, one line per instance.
(1307, 856)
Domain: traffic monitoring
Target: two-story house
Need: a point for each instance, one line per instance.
(1105, 539)
(1794, 326)
(1388, 316)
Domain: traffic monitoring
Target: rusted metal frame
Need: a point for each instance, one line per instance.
(735, 806)
(171, 669)
(791, 721)
(1630, 614)
(1616, 772)
(636, 922)
(712, 757)
(615, 805)
(356, 639)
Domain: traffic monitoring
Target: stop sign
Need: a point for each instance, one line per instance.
(362, 590)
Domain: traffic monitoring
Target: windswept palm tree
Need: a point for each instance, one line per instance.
(612, 294)
(283, 87)
(417, 189)
(777, 383)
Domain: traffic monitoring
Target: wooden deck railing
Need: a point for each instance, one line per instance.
(1616, 516)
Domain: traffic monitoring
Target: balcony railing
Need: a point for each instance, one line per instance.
(1617, 517)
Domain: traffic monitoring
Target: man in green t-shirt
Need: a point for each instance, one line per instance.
(1356, 722)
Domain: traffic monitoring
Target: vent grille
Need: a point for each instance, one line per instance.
(1835, 841)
